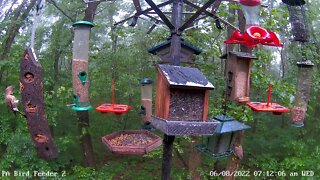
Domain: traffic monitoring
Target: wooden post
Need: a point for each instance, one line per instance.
(33, 105)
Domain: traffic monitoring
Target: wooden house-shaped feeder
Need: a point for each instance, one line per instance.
(187, 53)
(238, 75)
(181, 106)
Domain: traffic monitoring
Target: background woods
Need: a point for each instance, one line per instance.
(120, 53)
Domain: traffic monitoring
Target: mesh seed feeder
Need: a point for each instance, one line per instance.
(221, 143)
(254, 34)
(146, 100)
(303, 93)
(298, 20)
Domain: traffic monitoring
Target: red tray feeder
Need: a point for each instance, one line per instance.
(113, 108)
(254, 35)
(268, 106)
(136, 142)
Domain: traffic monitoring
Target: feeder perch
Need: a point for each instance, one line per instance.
(238, 66)
(137, 142)
(83, 77)
(302, 96)
(268, 106)
(298, 21)
(80, 106)
(254, 34)
(146, 100)
(113, 108)
(181, 106)
(221, 143)
(186, 55)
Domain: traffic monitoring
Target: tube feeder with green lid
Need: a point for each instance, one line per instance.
(146, 101)
(83, 23)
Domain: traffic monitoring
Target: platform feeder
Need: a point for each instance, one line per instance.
(146, 101)
(221, 143)
(238, 65)
(298, 21)
(181, 106)
(303, 93)
(187, 53)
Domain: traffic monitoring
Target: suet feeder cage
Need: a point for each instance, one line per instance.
(221, 143)
(303, 93)
(268, 106)
(135, 142)
(238, 66)
(146, 100)
(113, 108)
(298, 21)
(187, 54)
(181, 106)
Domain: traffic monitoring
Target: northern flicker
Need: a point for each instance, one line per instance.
(238, 151)
(12, 101)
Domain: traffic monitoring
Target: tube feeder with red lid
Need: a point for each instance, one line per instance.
(268, 106)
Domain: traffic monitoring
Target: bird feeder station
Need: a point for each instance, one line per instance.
(268, 106)
(80, 72)
(33, 105)
(221, 143)
(303, 93)
(187, 53)
(136, 142)
(254, 34)
(238, 65)
(298, 20)
(181, 106)
(146, 100)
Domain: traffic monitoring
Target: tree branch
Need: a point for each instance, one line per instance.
(64, 13)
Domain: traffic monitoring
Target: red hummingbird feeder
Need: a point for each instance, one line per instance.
(268, 106)
(254, 34)
(113, 108)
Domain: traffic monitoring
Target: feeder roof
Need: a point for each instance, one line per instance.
(185, 76)
(306, 64)
(146, 81)
(166, 44)
(229, 124)
(294, 2)
(239, 54)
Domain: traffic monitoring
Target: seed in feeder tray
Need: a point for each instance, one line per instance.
(131, 140)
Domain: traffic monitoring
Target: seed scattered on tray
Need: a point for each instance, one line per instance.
(131, 140)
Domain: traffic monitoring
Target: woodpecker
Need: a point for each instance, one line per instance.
(12, 101)
(238, 151)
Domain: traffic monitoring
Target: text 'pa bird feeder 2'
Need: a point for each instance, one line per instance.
(80, 71)
(221, 143)
(181, 106)
(136, 142)
(298, 21)
(303, 93)
(238, 75)
(146, 100)
(254, 34)
(268, 106)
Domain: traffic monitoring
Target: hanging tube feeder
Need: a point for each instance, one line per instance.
(113, 108)
(268, 106)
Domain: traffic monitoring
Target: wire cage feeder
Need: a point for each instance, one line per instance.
(298, 21)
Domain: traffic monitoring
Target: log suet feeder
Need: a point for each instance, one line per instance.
(34, 107)
(298, 21)
(187, 53)
(181, 106)
(303, 93)
(238, 68)
(221, 143)
(268, 106)
(146, 101)
(80, 72)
